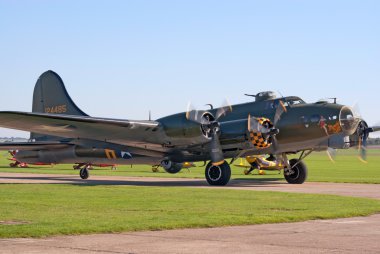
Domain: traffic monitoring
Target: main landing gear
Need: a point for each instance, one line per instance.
(297, 173)
(218, 175)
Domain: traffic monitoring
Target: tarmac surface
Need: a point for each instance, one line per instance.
(353, 235)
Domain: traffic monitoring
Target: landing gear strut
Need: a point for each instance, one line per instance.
(295, 171)
(218, 175)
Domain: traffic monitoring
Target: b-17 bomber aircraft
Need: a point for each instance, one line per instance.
(62, 133)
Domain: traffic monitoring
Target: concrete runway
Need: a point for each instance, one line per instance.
(353, 235)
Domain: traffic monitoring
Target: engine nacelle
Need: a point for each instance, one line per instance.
(339, 141)
(180, 131)
(171, 167)
(336, 141)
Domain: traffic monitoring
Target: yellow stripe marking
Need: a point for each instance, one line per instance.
(110, 154)
(218, 163)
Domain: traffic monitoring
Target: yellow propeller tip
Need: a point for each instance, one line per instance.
(362, 160)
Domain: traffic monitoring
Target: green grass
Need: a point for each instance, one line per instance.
(69, 209)
(346, 169)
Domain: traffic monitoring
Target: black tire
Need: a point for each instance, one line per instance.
(218, 175)
(171, 167)
(176, 168)
(84, 173)
(297, 174)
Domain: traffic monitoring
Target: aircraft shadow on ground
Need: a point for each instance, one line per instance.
(143, 183)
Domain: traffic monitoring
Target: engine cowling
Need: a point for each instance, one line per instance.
(181, 131)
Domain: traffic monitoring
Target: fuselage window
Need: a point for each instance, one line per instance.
(315, 118)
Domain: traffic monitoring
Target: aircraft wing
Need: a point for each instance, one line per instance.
(83, 127)
(30, 146)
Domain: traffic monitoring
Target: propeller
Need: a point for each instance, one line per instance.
(211, 128)
(353, 119)
(224, 110)
(362, 133)
(281, 109)
(267, 130)
(331, 153)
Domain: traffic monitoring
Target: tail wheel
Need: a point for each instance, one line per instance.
(218, 175)
(84, 173)
(297, 174)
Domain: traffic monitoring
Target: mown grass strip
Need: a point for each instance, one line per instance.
(48, 209)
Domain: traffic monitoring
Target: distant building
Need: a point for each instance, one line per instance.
(374, 141)
(13, 139)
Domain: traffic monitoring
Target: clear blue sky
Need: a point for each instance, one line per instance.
(122, 58)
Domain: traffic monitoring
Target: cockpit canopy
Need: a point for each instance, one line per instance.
(293, 100)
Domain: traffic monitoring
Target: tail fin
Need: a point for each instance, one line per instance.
(50, 96)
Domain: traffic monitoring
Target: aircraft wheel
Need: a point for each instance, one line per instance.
(297, 174)
(171, 167)
(218, 175)
(84, 173)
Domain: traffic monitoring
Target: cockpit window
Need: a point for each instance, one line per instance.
(289, 102)
(295, 102)
(285, 101)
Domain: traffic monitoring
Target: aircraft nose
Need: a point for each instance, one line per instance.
(348, 120)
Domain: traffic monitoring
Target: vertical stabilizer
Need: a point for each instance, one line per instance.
(50, 96)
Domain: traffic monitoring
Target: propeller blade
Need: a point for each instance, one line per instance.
(331, 153)
(216, 152)
(195, 115)
(224, 110)
(356, 110)
(274, 145)
(281, 109)
(188, 110)
(363, 148)
(363, 132)
(249, 122)
(255, 126)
